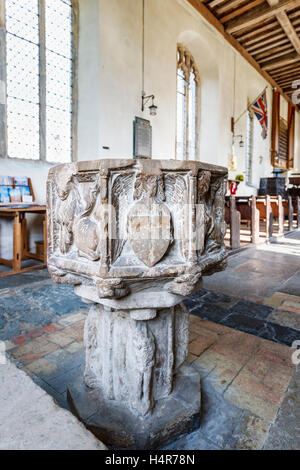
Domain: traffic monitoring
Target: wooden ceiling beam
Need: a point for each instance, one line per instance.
(240, 11)
(295, 14)
(268, 46)
(256, 31)
(215, 3)
(279, 52)
(288, 83)
(259, 15)
(212, 20)
(286, 68)
(289, 77)
(277, 76)
(263, 39)
(291, 74)
(289, 30)
(229, 6)
(288, 59)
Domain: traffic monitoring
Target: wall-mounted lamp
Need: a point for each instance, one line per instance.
(241, 142)
(152, 107)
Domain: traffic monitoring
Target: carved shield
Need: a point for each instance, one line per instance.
(149, 229)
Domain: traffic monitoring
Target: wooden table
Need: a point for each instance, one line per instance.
(18, 212)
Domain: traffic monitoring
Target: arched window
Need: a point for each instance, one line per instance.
(187, 105)
(38, 81)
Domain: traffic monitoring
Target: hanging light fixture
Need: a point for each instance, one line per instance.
(152, 107)
(241, 142)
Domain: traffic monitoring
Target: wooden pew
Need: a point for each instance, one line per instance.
(253, 209)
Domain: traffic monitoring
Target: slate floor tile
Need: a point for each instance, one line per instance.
(13, 306)
(261, 328)
(252, 309)
(23, 278)
(210, 312)
(60, 300)
(60, 382)
(216, 297)
(60, 398)
(244, 323)
(279, 334)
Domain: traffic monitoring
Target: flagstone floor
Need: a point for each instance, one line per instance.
(243, 323)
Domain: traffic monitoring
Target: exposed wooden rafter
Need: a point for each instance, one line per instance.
(285, 60)
(259, 15)
(289, 30)
(271, 47)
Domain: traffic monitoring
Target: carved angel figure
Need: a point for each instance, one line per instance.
(203, 184)
(86, 227)
(149, 186)
(66, 206)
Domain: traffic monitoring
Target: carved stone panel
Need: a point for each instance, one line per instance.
(129, 219)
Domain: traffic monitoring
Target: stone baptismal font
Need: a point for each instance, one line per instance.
(135, 238)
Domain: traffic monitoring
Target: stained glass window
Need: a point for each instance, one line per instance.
(38, 30)
(187, 106)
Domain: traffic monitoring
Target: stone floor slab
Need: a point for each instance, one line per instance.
(286, 319)
(30, 420)
(256, 405)
(292, 285)
(285, 432)
(249, 434)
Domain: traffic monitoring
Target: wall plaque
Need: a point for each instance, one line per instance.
(142, 138)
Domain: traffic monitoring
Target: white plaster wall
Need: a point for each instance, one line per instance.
(114, 98)
(89, 106)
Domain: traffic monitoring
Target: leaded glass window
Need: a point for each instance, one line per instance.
(39, 71)
(187, 106)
